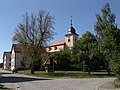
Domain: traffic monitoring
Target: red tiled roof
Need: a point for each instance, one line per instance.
(16, 47)
(57, 43)
(21, 48)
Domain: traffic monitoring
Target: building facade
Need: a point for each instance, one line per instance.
(16, 57)
(7, 60)
(56, 46)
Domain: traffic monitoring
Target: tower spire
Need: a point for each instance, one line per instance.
(71, 21)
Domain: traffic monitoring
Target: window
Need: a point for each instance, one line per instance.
(55, 48)
(75, 38)
(68, 40)
(49, 48)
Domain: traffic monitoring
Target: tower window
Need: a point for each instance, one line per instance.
(75, 39)
(68, 40)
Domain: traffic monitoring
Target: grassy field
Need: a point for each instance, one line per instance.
(69, 74)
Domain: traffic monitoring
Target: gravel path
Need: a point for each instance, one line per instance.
(25, 82)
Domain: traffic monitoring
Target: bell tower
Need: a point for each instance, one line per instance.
(71, 37)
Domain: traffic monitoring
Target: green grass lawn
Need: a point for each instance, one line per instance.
(70, 74)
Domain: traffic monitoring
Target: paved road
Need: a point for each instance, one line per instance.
(24, 82)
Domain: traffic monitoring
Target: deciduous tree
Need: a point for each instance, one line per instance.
(85, 50)
(34, 32)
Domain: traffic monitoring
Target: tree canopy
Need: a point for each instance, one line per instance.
(85, 50)
(108, 36)
(34, 32)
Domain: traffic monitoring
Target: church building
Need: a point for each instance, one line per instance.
(70, 38)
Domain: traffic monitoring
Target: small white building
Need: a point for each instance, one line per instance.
(7, 60)
(16, 58)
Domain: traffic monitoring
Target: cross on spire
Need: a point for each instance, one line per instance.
(71, 21)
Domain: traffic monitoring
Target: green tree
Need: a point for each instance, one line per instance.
(107, 34)
(85, 50)
(62, 60)
(34, 32)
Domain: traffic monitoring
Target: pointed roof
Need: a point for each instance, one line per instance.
(57, 43)
(71, 30)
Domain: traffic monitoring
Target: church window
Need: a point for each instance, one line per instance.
(75, 38)
(55, 48)
(49, 48)
(68, 39)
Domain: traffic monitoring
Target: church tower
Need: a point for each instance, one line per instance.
(71, 37)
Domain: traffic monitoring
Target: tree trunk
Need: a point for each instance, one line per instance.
(89, 70)
(32, 67)
(89, 66)
(108, 71)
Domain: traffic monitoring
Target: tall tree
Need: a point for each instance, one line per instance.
(34, 32)
(85, 50)
(107, 34)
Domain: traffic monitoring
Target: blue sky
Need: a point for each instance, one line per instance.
(83, 12)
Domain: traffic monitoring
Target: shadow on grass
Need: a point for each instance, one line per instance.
(6, 73)
(2, 87)
(86, 75)
(11, 79)
(112, 75)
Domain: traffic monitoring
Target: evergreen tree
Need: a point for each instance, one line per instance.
(107, 35)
